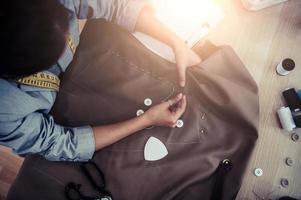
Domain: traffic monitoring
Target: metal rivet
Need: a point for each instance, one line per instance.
(295, 137)
(289, 161)
(258, 172)
(203, 117)
(284, 182)
(227, 164)
(202, 131)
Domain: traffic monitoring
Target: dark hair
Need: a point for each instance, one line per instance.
(32, 36)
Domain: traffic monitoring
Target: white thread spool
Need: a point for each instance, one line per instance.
(286, 118)
(285, 67)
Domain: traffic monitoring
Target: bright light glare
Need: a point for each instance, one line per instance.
(184, 8)
(186, 17)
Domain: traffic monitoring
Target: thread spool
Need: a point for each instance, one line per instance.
(294, 103)
(297, 118)
(285, 66)
(299, 94)
(286, 118)
(291, 98)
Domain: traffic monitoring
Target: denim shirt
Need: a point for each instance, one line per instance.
(25, 124)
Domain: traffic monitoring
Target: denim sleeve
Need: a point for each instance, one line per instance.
(38, 133)
(121, 12)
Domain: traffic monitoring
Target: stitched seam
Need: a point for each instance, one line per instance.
(133, 66)
(148, 73)
(47, 175)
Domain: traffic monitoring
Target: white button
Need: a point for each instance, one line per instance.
(180, 123)
(106, 198)
(258, 172)
(139, 112)
(148, 102)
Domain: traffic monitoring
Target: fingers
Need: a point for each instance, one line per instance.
(182, 75)
(175, 100)
(179, 111)
(181, 107)
(162, 113)
(196, 59)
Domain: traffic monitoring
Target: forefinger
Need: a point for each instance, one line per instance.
(181, 107)
(181, 75)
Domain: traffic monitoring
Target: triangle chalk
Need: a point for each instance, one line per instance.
(154, 149)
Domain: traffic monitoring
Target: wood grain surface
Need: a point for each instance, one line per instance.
(261, 39)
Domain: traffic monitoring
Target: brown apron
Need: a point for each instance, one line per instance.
(111, 75)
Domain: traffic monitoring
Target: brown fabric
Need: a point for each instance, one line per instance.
(107, 82)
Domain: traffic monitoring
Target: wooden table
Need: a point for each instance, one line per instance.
(262, 39)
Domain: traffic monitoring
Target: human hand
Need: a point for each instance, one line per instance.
(162, 115)
(185, 57)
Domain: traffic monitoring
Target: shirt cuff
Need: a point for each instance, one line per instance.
(131, 14)
(86, 143)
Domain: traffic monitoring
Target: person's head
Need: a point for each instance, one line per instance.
(32, 37)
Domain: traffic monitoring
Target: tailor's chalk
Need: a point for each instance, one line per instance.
(258, 172)
(286, 118)
(285, 66)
